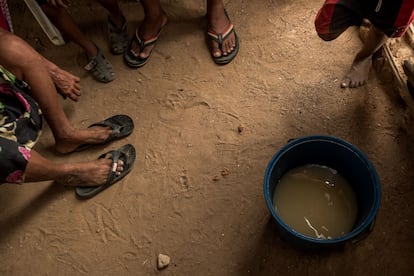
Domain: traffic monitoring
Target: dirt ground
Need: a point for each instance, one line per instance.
(195, 193)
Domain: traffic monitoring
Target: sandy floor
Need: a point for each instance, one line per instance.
(195, 193)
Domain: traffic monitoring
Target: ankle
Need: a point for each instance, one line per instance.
(119, 20)
(91, 50)
(67, 134)
(154, 18)
(215, 10)
(68, 175)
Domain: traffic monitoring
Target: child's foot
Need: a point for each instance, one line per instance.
(147, 30)
(223, 41)
(358, 74)
(141, 45)
(100, 67)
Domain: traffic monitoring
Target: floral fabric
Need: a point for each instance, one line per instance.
(20, 127)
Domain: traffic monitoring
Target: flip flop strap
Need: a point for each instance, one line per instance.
(116, 128)
(113, 126)
(220, 37)
(142, 43)
(115, 158)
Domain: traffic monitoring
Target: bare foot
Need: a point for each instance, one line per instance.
(68, 85)
(220, 23)
(94, 173)
(358, 74)
(77, 137)
(149, 29)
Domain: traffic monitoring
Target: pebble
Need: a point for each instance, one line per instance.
(163, 261)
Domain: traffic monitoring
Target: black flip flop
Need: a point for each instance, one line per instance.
(125, 153)
(121, 125)
(219, 38)
(134, 61)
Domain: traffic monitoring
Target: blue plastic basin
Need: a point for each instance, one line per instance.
(340, 155)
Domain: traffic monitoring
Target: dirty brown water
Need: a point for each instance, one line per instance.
(316, 201)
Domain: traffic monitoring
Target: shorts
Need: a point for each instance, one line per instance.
(393, 17)
(20, 128)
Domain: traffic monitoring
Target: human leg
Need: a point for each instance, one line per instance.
(61, 18)
(362, 63)
(391, 19)
(19, 164)
(143, 41)
(116, 23)
(21, 124)
(99, 66)
(66, 136)
(114, 11)
(332, 20)
(26, 64)
(92, 173)
(219, 25)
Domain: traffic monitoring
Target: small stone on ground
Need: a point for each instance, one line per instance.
(163, 261)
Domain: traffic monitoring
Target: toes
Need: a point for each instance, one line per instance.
(230, 45)
(137, 52)
(230, 49)
(356, 84)
(216, 52)
(135, 49)
(119, 167)
(146, 52)
(227, 49)
(345, 84)
(352, 84)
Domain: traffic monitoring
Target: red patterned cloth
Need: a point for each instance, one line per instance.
(5, 19)
(393, 17)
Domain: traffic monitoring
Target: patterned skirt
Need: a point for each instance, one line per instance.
(20, 128)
